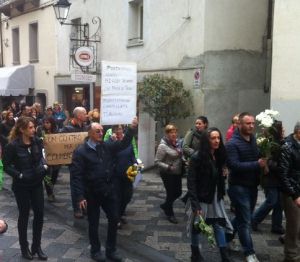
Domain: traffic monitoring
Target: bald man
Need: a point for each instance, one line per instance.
(95, 185)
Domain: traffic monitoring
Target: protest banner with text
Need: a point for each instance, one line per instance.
(118, 92)
(59, 147)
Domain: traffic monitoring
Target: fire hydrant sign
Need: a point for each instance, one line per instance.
(118, 93)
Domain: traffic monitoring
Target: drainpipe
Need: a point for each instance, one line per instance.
(1, 41)
(268, 46)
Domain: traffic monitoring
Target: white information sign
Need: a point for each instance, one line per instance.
(83, 77)
(118, 93)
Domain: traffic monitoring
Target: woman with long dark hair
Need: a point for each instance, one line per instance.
(271, 184)
(206, 185)
(23, 161)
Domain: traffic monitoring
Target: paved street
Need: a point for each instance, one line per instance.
(147, 237)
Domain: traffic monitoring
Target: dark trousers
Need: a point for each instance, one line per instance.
(110, 205)
(292, 235)
(73, 195)
(52, 172)
(173, 187)
(30, 197)
(126, 192)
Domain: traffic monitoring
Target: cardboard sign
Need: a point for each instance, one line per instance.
(118, 92)
(59, 148)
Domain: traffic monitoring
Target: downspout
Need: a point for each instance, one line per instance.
(1, 45)
(268, 46)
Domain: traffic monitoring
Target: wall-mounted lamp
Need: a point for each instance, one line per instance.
(81, 39)
(61, 9)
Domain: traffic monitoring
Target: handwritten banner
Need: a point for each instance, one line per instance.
(118, 92)
(59, 148)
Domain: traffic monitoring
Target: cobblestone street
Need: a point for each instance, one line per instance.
(148, 236)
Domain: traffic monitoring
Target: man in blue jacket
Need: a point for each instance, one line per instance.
(245, 166)
(95, 185)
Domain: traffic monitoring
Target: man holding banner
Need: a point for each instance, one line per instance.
(95, 185)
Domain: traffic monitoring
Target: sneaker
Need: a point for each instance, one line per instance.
(233, 246)
(252, 258)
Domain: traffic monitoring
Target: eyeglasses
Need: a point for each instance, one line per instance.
(98, 131)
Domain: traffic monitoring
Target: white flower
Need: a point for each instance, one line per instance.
(267, 121)
(271, 113)
(267, 117)
(260, 140)
(260, 116)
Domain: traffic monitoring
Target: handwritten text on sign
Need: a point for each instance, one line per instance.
(118, 97)
(59, 147)
(116, 108)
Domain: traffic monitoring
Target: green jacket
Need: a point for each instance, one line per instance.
(133, 142)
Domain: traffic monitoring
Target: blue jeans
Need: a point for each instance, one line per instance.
(272, 201)
(219, 233)
(244, 200)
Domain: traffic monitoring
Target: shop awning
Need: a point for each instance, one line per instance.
(16, 80)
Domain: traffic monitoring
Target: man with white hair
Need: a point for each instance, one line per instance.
(77, 124)
(95, 185)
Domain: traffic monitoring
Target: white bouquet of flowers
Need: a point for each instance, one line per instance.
(265, 140)
(267, 117)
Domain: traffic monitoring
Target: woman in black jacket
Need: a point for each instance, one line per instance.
(272, 186)
(206, 185)
(23, 161)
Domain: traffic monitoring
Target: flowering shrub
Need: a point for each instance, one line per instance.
(265, 140)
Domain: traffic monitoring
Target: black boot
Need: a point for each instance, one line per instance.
(196, 255)
(39, 252)
(224, 254)
(26, 253)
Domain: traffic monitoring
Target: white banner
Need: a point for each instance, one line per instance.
(118, 92)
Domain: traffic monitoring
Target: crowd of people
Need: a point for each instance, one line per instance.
(94, 180)
(98, 178)
(238, 162)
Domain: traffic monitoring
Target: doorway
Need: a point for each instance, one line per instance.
(74, 95)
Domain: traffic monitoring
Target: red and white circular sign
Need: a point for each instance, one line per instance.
(84, 56)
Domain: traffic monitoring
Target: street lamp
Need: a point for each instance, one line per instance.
(84, 47)
(61, 9)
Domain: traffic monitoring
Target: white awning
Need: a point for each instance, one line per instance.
(16, 80)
